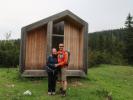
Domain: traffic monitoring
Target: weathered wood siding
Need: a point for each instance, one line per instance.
(36, 48)
(73, 41)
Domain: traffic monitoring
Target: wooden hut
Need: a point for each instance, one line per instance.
(39, 38)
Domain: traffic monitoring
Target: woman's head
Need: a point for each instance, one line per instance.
(54, 51)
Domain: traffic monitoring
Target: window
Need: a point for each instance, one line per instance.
(58, 34)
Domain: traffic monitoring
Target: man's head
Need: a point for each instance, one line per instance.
(54, 51)
(61, 46)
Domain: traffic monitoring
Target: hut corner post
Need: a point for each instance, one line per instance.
(85, 57)
(49, 38)
(22, 49)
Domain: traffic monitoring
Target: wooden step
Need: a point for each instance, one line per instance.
(34, 73)
(42, 73)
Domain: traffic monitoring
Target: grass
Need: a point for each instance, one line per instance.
(101, 83)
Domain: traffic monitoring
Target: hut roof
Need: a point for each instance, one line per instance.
(55, 18)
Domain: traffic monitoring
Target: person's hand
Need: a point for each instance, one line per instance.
(56, 65)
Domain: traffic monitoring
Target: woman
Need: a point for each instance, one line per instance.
(52, 72)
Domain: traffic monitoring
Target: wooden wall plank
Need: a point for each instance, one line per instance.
(36, 49)
(81, 49)
(73, 42)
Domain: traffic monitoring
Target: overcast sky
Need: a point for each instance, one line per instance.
(100, 14)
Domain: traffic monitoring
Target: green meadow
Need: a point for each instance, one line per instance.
(103, 82)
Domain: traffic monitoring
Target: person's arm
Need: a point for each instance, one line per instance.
(48, 62)
(48, 59)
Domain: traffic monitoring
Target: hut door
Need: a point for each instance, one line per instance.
(58, 34)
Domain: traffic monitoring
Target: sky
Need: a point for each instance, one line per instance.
(100, 14)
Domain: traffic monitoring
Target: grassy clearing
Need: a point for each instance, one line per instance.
(102, 83)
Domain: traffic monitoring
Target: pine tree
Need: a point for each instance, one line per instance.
(129, 22)
(129, 39)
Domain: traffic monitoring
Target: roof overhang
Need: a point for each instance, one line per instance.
(56, 18)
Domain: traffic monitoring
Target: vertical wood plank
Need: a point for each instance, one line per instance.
(49, 37)
(36, 49)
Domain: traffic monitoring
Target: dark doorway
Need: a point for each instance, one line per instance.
(58, 34)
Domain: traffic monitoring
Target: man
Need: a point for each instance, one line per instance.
(52, 72)
(62, 61)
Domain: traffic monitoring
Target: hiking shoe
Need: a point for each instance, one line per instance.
(53, 93)
(63, 93)
(49, 93)
(60, 90)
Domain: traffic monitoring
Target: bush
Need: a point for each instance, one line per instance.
(9, 53)
(97, 57)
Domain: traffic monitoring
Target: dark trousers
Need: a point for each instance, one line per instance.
(52, 81)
